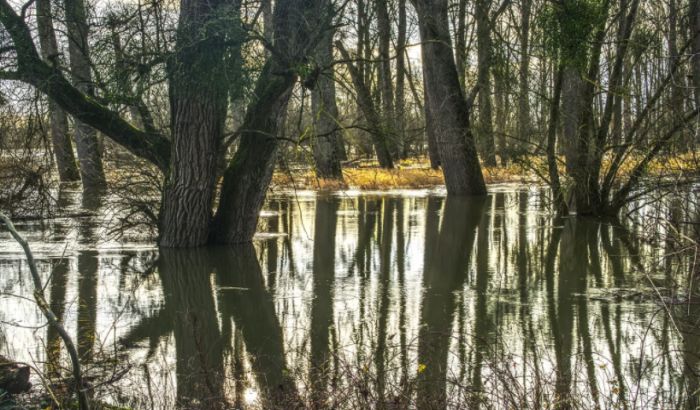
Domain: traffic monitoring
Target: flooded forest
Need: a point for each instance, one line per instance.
(349, 204)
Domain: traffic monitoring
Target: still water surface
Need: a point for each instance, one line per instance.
(394, 300)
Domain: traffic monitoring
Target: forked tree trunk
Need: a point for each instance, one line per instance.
(248, 175)
(62, 145)
(91, 170)
(198, 110)
(449, 110)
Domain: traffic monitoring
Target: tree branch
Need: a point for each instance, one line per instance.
(153, 147)
(48, 313)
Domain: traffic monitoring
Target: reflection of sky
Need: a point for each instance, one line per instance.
(520, 337)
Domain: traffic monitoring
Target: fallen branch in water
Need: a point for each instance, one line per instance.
(48, 313)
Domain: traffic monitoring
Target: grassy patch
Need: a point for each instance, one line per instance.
(413, 173)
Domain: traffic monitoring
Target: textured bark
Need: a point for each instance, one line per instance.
(198, 110)
(485, 136)
(268, 27)
(449, 110)
(89, 157)
(60, 139)
(524, 84)
(380, 136)
(327, 133)
(461, 44)
(249, 173)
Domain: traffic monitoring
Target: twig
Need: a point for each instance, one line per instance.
(48, 313)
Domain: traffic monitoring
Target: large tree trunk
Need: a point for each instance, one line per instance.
(249, 173)
(198, 110)
(484, 57)
(62, 145)
(327, 134)
(449, 110)
(523, 97)
(91, 170)
(461, 44)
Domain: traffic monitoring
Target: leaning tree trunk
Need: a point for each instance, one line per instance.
(62, 145)
(484, 57)
(325, 112)
(379, 133)
(91, 170)
(249, 173)
(198, 111)
(448, 108)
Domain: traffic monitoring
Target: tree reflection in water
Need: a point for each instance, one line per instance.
(388, 302)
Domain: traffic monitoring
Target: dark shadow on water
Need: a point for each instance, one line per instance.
(447, 257)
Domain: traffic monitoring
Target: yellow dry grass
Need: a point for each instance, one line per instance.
(416, 173)
(412, 173)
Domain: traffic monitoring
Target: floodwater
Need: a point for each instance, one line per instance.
(387, 300)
